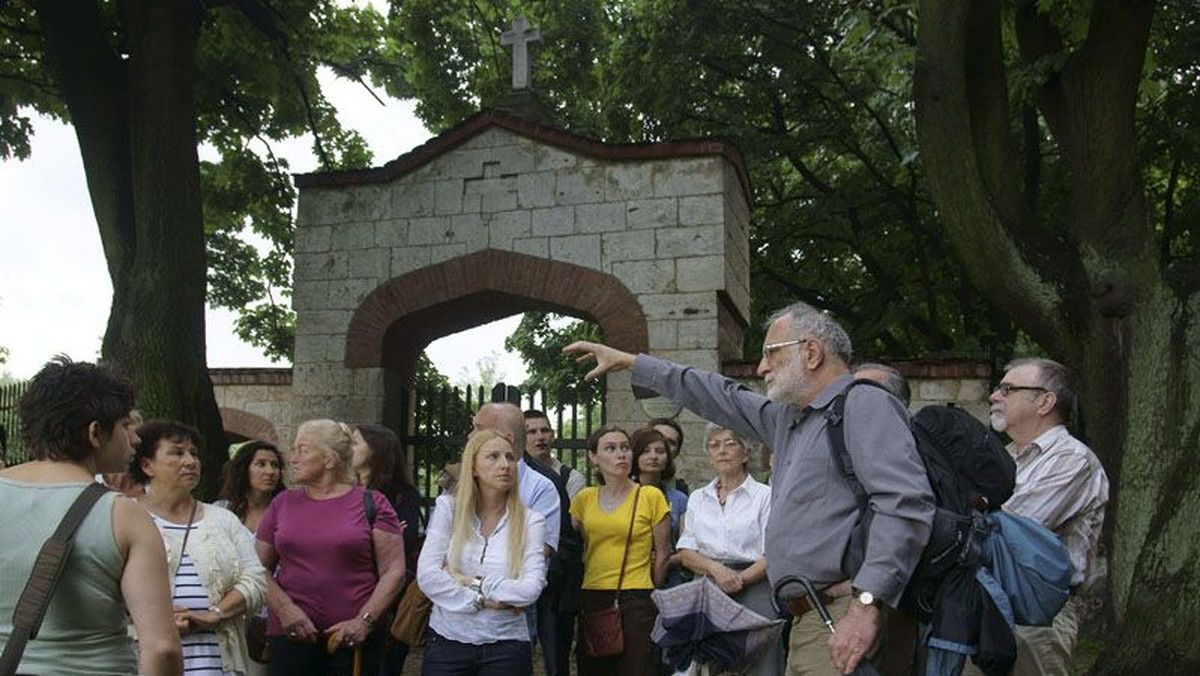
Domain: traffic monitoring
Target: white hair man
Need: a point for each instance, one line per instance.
(805, 367)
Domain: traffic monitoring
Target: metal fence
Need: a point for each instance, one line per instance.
(10, 422)
(439, 420)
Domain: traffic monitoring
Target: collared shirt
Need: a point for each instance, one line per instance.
(454, 615)
(539, 494)
(1061, 485)
(735, 532)
(813, 509)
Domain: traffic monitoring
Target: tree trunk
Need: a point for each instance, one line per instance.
(135, 121)
(1095, 297)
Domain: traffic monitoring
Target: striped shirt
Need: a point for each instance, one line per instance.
(201, 652)
(1062, 485)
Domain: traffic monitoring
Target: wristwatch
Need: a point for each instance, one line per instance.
(367, 618)
(865, 597)
(217, 609)
(477, 587)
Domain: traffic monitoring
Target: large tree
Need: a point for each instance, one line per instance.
(143, 83)
(1063, 164)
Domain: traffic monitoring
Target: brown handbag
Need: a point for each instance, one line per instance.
(256, 640)
(412, 616)
(601, 629)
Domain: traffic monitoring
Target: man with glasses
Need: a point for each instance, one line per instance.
(1060, 484)
(813, 509)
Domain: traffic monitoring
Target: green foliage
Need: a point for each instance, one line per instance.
(539, 339)
(816, 96)
(427, 374)
(484, 373)
(24, 84)
(1169, 122)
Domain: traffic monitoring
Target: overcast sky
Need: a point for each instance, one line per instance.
(54, 288)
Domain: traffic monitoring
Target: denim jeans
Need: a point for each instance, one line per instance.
(444, 657)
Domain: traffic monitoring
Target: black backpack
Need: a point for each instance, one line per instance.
(970, 474)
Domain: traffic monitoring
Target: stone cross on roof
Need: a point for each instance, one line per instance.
(519, 37)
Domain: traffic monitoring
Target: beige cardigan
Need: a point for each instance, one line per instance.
(225, 559)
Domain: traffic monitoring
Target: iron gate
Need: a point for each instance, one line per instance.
(439, 420)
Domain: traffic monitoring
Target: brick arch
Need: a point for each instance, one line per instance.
(404, 314)
(248, 425)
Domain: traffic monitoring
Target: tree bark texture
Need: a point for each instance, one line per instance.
(134, 117)
(1092, 290)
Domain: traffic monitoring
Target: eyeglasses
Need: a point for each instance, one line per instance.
(770, 348)
(1006, 389)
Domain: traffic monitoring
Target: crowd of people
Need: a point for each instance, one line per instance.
(521, 552)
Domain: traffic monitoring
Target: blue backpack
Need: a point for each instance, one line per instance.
(1030, 563)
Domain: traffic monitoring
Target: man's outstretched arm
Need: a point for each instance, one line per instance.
(709, 395)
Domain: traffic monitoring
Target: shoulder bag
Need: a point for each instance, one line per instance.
(412, 616)
(412, 611)
(43, 580)
(602, 633)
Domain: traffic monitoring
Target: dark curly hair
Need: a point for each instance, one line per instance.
(151, 433)
(639, 442)
(63, 400)
(235, 476)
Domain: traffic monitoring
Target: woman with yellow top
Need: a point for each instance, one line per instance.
(603, 515)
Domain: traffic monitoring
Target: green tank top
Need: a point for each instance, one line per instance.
(85, 630)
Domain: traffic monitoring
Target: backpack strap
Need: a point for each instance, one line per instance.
(369, 506)
(47, 570)
(835, 416)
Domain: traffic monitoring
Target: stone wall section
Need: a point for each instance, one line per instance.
(255, 402)
(673, 230)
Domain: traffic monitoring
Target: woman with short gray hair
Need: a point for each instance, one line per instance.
(724, 533)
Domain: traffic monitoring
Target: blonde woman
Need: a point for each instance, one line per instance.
(482, 563)
(336, 556)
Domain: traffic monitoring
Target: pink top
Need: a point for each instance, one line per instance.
(326, 557)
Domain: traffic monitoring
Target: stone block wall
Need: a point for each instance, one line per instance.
(673, 230)
(255, 403)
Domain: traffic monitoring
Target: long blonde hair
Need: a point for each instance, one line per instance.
(465, 501)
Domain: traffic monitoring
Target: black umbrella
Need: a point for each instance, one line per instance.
(699, 623)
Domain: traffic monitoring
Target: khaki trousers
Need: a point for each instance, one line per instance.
(808, 644)
(1043, 651)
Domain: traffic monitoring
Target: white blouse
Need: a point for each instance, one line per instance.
(735, 533)
(454, 615)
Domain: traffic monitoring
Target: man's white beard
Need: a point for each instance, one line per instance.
(999, 422)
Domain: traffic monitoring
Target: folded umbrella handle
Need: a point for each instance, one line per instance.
(810, 591)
